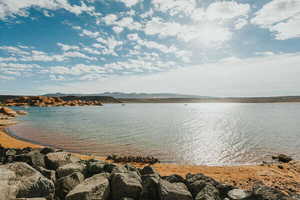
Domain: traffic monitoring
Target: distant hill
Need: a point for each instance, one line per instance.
(121, 95)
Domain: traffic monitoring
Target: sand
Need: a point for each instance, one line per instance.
(285, 177)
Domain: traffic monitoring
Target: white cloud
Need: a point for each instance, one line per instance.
(12, 8)
(205, 33)
(174, 7)
(129, 3)
(89, 33)
(14, 50)
(117, 29)
(226, 10)
(240, 23)
(281, 17)
(66, 47)
(240, 77)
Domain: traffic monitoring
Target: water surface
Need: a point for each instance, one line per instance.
(202, 133)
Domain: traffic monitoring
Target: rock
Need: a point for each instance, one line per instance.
(150, 189)
(49, 174)
(70, 168)
(173, 191)
(263, 192)
(21, 112)
(65, 184)
(8, 111)
(7, 186)
(196, 182)
(95, 167)
(282, 158)
(209, 192)
(174, 178)
(47, 150)
(148, 170)
(238, 194)
(58, 159)
(30, 199)
(33, 158)
(28, 182)
(95, 187)
(126, 185)
(108, 167)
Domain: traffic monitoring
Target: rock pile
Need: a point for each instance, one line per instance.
(43, 101)
(136, 159)
(47, 174)
(8, 113)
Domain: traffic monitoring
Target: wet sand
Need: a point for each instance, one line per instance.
(285, 177)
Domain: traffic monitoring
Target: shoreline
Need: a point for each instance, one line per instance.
(284, 176)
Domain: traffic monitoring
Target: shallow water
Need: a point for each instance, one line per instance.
(207, 133)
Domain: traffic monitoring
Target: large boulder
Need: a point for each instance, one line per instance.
(49, 174)
(58, 159)
(28, 182)
(196, 182)
(263, 192)
(209, 192)
(70, 168)
(7, 184)
(150, 189)
(126, 185)
(173, 191)
(95, 187)
(94, 167)
(33, 158)
(238, 194)
(65, 184)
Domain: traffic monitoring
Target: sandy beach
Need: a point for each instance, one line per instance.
(285, 177)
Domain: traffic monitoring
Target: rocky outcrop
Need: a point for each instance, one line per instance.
(8, 111)
(58, 159)
(43, 101)
(48, 174)
(27, 182)
(95, 187)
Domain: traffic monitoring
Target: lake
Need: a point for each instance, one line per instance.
(196, 133)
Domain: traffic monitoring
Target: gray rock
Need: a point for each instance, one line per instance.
(33, 158)
(70, 168)
(126, 185)
(47, 150)
(28, 182)
(108, 167)
(196, 182)
(7, 184)
(148, 170)
(30, 199)
(95, 187)
(173, 191)
(209, 192)
(150, 189)
(58, 159)
(65, 184)
(174, 178)
(95, 167)
(263, 192)
(238, 194)
(49, 174)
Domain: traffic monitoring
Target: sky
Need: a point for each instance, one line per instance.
(201, 47)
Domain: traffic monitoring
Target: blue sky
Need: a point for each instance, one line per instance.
(204, 47)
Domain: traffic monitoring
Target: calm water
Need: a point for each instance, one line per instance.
(213, 134)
